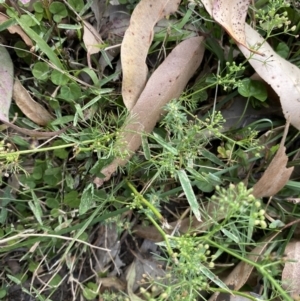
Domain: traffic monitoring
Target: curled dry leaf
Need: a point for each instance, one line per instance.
(135, 46)
(113, 282)
(131, 279)
(16, 29)
(91, 39)
(165, 84)
(291, 271)
(276, 175)
(106, 237)
(32, 133)
(33, 110)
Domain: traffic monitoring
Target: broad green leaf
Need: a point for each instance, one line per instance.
(166, 145)
(36, 208)
(90, 291)
(72, 199)
(61, 153)
(71, 92)
(76, 4)
(58, 78)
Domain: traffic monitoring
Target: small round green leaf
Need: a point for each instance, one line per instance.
(283, 50)
(70, 92)
(20, 48)
(90, 291)
(76, 4)
(253, 88)
(58, 10)
(40, 71)
(71, 199)
(52, 203)
(38, 7)
(60, 152)
(59, 78)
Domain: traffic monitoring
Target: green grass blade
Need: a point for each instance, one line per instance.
(40, 42)
(188, 190)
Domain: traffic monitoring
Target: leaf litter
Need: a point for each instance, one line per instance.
(150, 98)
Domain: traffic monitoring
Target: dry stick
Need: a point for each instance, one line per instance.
(32, 133)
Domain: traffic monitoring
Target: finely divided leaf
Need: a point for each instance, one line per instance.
(165, 84)
(135, 46)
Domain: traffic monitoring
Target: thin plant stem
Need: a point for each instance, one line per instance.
(156, 213)
(145, 202)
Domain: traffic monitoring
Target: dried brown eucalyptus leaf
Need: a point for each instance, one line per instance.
(33, 110)
(291, 271)
(231, 14)
(281, 75)
(165, 84)
(135, 46)
(276, 175)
